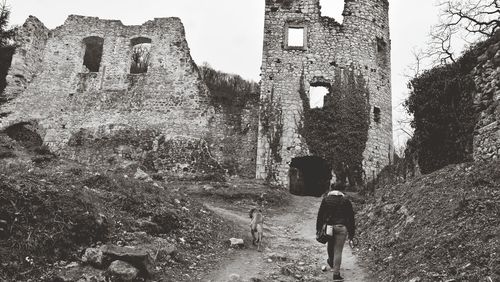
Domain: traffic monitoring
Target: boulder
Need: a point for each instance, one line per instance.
(141, 175)
(237, 243)
(138, 257)
(93, 257)
(161, 249)
(122, 271)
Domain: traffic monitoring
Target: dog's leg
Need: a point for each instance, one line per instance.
(253, 236)
(259, 236)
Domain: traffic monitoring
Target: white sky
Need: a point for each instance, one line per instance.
(228, 33)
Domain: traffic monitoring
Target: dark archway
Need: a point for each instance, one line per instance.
(309, 176)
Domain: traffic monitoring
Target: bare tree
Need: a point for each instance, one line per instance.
(468, 20)
(141, 54)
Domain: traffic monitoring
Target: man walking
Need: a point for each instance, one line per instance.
(337, 213)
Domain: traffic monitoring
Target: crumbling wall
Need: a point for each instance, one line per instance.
(236, 133)
(236, 103)
(27, 60)
(361, 43)
(487, 102)
(66, 98)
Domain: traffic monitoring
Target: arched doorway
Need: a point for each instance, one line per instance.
(309, 176)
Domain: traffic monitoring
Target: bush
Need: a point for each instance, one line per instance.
(441, 102)
(47, 223)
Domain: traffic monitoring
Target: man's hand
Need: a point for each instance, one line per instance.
(353, 242)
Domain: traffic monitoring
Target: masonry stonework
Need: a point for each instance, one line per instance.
(487, 102)
(361, 43)
(152, 117)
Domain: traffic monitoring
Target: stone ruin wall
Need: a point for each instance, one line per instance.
(162, 118)
(31, 38)
(330, 46)
(237, 138)
(487, 101)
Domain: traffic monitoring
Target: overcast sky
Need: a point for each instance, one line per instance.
(228, 33)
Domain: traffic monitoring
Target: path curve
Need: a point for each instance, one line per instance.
(291, 252)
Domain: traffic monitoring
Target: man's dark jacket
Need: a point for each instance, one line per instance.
(336, 209)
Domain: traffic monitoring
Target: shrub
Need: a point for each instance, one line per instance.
(441, 101)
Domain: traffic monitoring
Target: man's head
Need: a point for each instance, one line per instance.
(338, 186)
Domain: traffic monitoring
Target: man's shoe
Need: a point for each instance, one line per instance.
(330, 262)
(337, 277)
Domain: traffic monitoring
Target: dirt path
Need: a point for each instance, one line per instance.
(291, 252)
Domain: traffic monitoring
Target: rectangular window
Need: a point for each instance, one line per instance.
(295, 37)
(93, 53)
(376, 114)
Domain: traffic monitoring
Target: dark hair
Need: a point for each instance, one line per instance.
(339, 186)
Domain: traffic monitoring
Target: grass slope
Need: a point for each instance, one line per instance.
(444, 226)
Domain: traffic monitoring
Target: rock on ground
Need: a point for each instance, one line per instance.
(123, 271)
(93, 257)
(236, 243)
(138, 257)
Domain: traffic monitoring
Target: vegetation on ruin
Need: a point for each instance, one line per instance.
(229, 92)
(338, 132)
(6, 47)
(5, 33)
(237, 102)
(442, 104)
(271, 120)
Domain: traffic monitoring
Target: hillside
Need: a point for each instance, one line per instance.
(53, 210)
(444, 226)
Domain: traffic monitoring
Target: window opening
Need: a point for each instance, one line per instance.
(141, 55)
(376, 114)
(93, 53)
(332, 9)
(381, 45)
(317, 96)
(296, 37)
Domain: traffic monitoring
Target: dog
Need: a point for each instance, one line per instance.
(256, 226)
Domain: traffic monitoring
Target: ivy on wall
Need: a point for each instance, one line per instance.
(338, 132)
(271, 120)
(230, 93)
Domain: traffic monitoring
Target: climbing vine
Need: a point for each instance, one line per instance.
(271, 120)
(338, 132)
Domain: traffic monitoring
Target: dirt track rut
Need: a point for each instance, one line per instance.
(290, 253)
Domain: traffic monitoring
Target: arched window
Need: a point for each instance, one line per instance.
(93, 53)
(141, 54)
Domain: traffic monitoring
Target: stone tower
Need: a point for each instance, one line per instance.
(304, 49)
